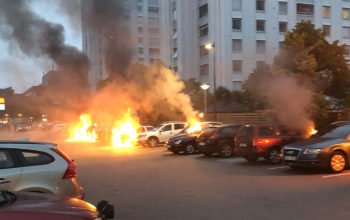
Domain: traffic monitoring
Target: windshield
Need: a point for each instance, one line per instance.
(6, 198)
(335, 132)
(157, 127)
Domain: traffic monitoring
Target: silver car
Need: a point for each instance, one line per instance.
(37, 167)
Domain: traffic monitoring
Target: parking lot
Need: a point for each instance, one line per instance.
(152, 183)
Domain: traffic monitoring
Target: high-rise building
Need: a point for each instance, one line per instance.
(245, 34)
(143, 25)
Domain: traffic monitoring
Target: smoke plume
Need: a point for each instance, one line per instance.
(35, 36)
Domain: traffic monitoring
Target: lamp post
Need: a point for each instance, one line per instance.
(211, 46)
(205, 87)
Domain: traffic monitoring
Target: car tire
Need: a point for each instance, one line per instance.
(226, 149)
(251, 158)
(152, 142)
(190, 148)
(274, 156)
(337, 162)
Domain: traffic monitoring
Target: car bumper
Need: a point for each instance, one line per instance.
(207, 148)
(247, 152)
(176, 147)
(307, 161)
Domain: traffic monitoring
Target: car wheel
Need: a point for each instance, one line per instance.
(226, 149)
(153, 142)
(274, 156)
(190, 148)
(337, 162)
(251, 158)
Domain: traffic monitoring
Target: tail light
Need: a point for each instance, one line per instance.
(70, 172)
(265, 142)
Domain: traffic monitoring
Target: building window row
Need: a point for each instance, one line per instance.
(260, 25)
(237, 65)
(237, 46)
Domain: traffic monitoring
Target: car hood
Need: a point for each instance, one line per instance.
(182, 136)
(49, 203)
(316, 143)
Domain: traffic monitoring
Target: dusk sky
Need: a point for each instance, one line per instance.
(20, 71)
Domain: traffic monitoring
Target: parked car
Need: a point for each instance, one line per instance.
(33, 206)
(161, 133)
(263, 140)
(327, 149)
(218, 140)
(23, 127)
(185, 141)
(37, 167)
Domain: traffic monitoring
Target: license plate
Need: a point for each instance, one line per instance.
(290, 158)
(201, 143)
(243, 144)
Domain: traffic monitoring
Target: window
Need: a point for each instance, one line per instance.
(154, 10)
(139, 9)
(140, 50)
(179, 126)
(260, 5)
(236, 85)
(237, 66)
(346, 32)
(236, 45)
(204, 69)
(260, 46)
(32, 158)
(305, 9)
(140, 40)
(228, 130)
(267, 131)
(5, 160)
(283, 26)
(246, 131)
(203, 30)
(260, 64)
(326, 11)
(283, 8)
(346, 13)
(327, 30)
(166, 128)
(153, 30)
(260, 26)
(236, 5)
(203, 11)
(203, 51)
(140, 29)
(154, 51)
(236, 24)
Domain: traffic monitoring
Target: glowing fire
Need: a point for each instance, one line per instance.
(195, 126)
(312, 131)
(83, 131)
(124, 132)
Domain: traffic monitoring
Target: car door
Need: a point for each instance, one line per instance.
(166, 132)
(244, 137)
(10, 172)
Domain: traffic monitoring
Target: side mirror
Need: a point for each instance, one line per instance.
(105, 210)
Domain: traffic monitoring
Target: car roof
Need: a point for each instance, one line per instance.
(27, 143)
(228, 125)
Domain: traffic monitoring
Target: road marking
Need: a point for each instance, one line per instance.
(275, 168)
(336, 175)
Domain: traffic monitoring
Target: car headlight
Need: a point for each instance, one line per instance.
(312, 151)
(178, 142)
(141, 136)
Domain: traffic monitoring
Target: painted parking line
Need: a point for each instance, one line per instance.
(276, 168)
(336, 175)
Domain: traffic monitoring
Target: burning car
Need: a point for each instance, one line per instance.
(327, 149)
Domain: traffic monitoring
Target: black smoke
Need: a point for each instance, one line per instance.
(109, 19)
(35, 36)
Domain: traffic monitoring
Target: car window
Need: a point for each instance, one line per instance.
(338, 132)
(231, 130)
(166, 128)
(267, 131)
(246, 131)
(5, 160)
(32, 158)
(179, 126)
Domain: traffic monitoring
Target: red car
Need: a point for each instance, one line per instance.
(30, 206)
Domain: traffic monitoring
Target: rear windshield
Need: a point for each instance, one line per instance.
(230, 130)
(267, 131)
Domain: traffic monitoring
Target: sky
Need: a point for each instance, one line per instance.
(21, 72)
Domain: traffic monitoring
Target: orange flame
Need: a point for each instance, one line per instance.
(312, 131)
(124, 133)
(195, 126)
(83, 131)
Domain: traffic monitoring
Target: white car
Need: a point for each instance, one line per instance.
(161, 133)
(37, 167)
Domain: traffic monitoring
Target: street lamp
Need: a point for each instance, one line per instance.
(205, 87)
(211, 46)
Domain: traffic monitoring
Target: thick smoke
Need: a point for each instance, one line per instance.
(108, 18)
(35, 36)
(289, 99)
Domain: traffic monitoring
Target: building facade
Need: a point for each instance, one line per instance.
(245, 34)
(143, 25)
